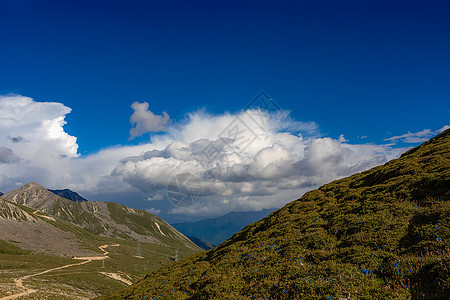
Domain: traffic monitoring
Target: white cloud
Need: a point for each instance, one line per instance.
(154, 211)
(33, 132)
(244, 161)
(417, 137)
(157, 197)
(444, 128)
(145, 121)
(38, 123)
(342, 139)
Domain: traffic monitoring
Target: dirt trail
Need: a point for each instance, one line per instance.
(106, 246)
(27, 291)
(105, 253)
(117, 277)
(44, 216)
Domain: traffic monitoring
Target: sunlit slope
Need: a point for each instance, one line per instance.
(380, 234)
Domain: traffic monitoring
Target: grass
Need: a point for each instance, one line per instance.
(84, 281)
(8, 248)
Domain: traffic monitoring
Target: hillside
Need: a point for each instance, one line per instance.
(379, 234)
(51, 248)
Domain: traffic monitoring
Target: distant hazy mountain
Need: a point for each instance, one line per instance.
(1, 194)
(201, 243)
(68, 194)
(217, 230)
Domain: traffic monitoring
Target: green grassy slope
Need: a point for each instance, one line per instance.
(380, 234)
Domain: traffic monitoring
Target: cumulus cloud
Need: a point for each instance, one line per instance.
(244, 164)
(33, 140)
(145, 121)
(249, 160)
(38, 123)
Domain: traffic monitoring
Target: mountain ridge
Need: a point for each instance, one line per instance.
(68, 194)
(201, 243)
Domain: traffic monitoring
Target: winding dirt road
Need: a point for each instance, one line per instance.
(26, 291)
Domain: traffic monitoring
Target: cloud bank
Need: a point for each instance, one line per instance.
(248, 160)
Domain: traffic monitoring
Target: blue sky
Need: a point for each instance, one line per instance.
(368, 70)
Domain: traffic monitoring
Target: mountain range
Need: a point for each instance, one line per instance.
(380, 234)
(41, 232)
(101, 218)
